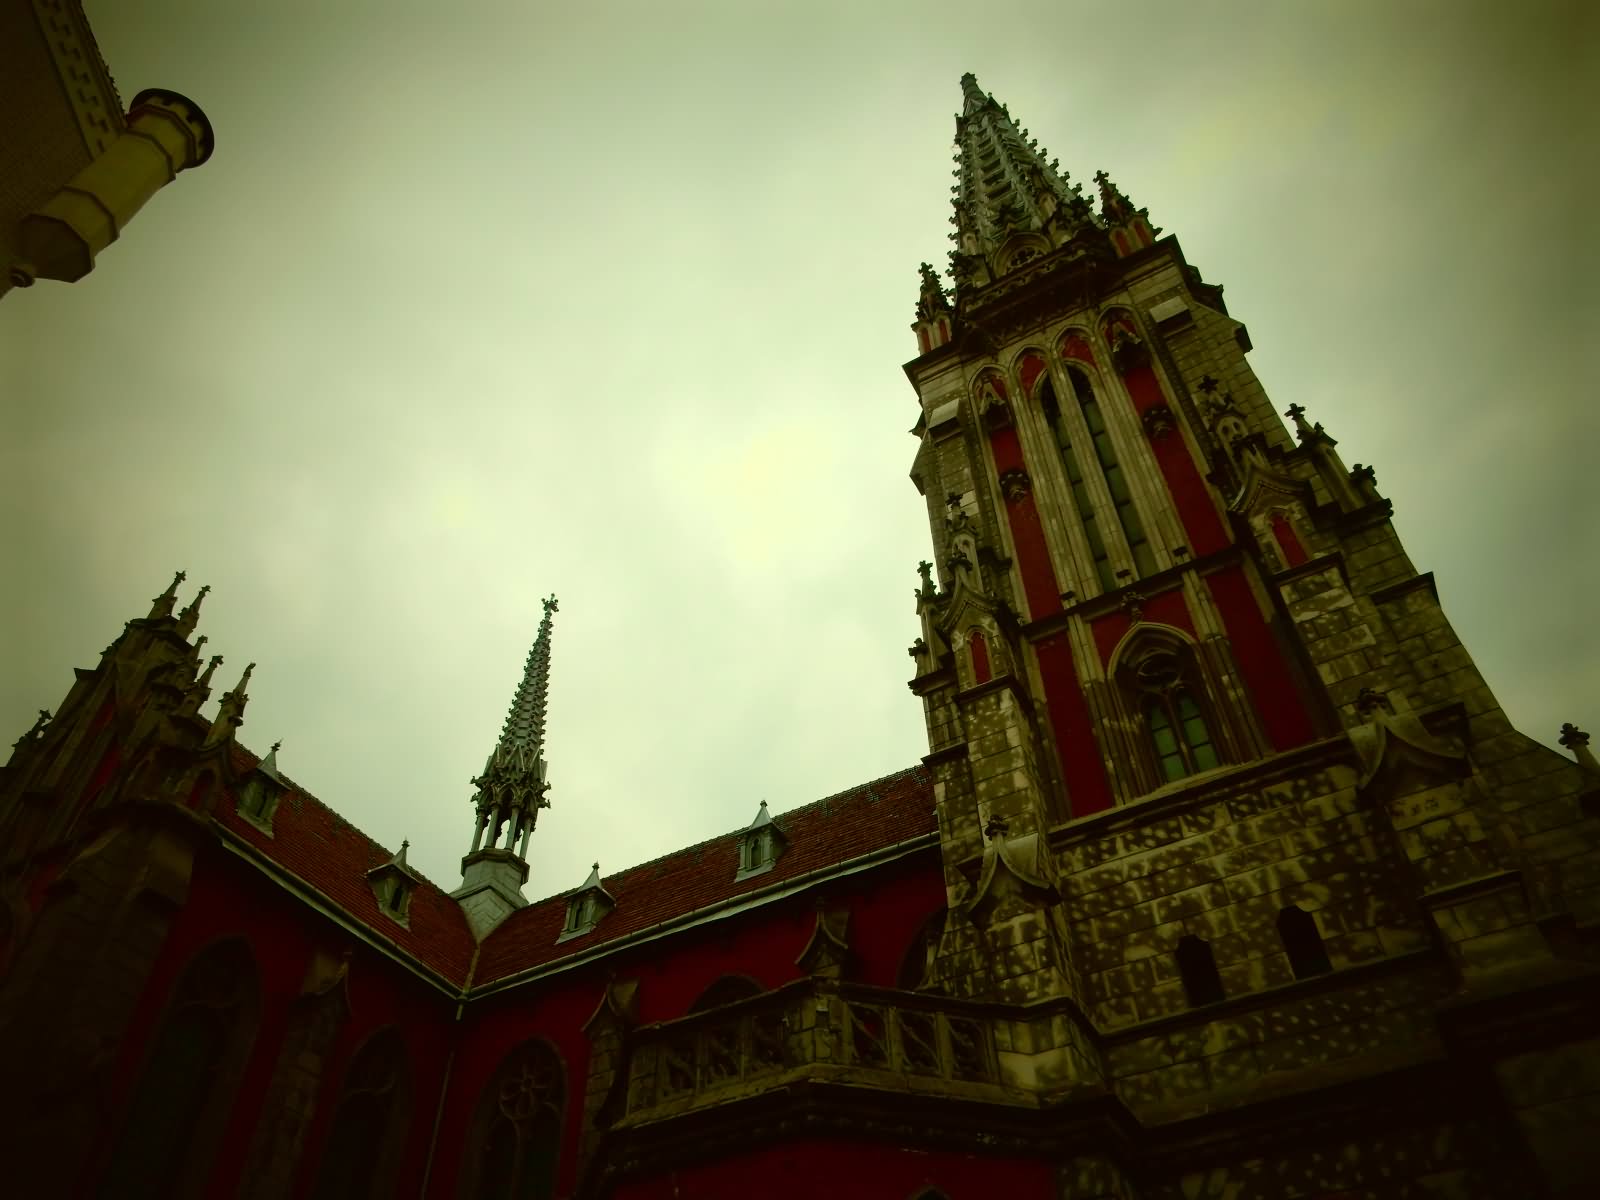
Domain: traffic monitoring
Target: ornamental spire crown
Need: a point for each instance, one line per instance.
(511, 790)
(1009, 195)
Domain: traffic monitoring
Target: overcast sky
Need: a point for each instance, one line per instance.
(477, 302)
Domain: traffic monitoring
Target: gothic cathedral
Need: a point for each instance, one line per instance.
(1224, 877)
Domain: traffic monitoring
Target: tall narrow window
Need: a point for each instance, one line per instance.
(1105, 452)
(517, 1129)
(1080, 491)
(1177, 728)
(183, 1098)
(1303, 941)
(363, 1148)
(1198, 967)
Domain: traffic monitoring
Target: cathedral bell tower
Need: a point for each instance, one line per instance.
(1140, 578)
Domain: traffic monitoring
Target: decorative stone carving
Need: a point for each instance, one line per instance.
(1158, 422)
(1015, 485)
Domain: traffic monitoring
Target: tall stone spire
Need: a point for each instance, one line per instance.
(510, 792)
(1006, 188)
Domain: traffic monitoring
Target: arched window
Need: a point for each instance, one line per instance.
(1080, 491)
(362, 1153)
(1303, 941)
(1164, 692)
(181, 1103)
(516, 1146)
(1198, 967)
(1105, 452)
(726, 990)
(916, 968)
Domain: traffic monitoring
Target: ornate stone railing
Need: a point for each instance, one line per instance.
(817, 1028)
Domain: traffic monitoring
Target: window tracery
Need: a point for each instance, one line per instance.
(1167, 708)
(1100, 453)
(185, 1092)
(518, 1128)
(368, 1123)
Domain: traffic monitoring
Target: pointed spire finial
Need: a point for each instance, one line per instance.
(511, 790)
(190, 616)
(230, 711)
(161, 606)
(972, 98)
(204, 681)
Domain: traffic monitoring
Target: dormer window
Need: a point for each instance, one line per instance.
(260, 792)
(587, 906)
(760, 845)
(392, 884)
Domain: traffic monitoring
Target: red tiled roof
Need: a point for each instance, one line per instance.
(332, 856)
(825, 833)
(312, 842)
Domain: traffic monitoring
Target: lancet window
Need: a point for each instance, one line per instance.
(362, 1151)
(1173, 720)
(1303, 942)
(1197, 966)
(516, 1144)
(1105, 452)
(1081, 499)
(1167, 708)
(184, 1095)
(1098, 454)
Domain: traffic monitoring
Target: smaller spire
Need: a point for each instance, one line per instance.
(268, 766)
(399, 860)
(230, 712)
(1114, 206)
(933, 298)
(190, 616)
(594, 878)
(161, 606)
(205, 676)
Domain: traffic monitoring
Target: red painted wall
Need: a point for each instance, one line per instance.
(1169, 608)
(888, 907)
(980, 656)
(1293, 552)
(1278, 702)
(1189, 493)
(1027, 532)
(820, 1170)
(228, 899)
(1079, 755)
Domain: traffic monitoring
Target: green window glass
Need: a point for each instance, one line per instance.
(1144, 559)
(1174, 721)
(1080, 491)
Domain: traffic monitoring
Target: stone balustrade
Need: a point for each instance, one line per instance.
(816, 1029)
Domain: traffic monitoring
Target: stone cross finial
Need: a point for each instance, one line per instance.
(925, 569)
(1577, 741)
(1297, 414)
